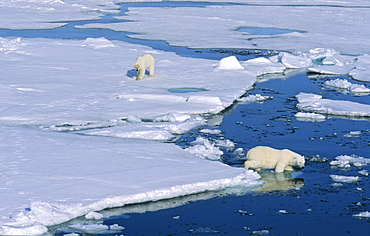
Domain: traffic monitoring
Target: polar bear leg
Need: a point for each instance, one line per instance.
(289, 168)
(280, 168)
(140, 74)
(151, 71)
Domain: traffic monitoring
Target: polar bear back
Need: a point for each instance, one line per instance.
(267, 157)
(262, 157)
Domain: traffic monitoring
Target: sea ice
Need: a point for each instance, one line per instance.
(229, 63)
(344, 179)
(94, 216)
(344, 85)
(365, 214)
(262, 66)
(254, 98)
(88, 87)
(362, 70)
(220, 23)
(291, 61)
(308, 102)
(308, 116)
(90, 228)
(345, 161)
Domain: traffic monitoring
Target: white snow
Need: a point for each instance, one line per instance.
(308, 102)
(229, 63)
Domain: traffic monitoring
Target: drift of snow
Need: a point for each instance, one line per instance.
(229, 63)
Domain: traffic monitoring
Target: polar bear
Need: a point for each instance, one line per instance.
(142, 63)
(262, 157)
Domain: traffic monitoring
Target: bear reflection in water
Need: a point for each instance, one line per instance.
(279, 181)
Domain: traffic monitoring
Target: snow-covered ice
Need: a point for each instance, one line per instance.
(254, 98)
(221, 24)
(308, 102)
(308, 116)
(344, 179)
(344, 85)
(68, 87)
(345, 161)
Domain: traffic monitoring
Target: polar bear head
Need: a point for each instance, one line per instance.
(298, 160)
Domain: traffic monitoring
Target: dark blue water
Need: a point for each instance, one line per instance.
(317, 208)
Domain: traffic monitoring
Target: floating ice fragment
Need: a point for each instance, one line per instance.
(308, 116)
(210, 131)
(315, 103)
(229, 63)
(295, 62)
(261, 232)
(254, 98)
(331, 69)
(89, 228)
(345, 161)
(361, 72)
(92, 215)
(346, 86)
(261, 66)
(364, 173)
(225, 144)
(244, 213)
(344, 179)
(365, 214)
(285, 212)
(202, 230)
(204, 148)
(353, 134)
(116, 227)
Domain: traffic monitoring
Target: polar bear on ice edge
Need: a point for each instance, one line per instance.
(142, 63)
(262, 157)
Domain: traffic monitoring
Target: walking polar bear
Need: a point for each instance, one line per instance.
(142, 63)
(262, 157)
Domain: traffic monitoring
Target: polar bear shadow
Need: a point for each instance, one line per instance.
(278, 181)
(133, 73)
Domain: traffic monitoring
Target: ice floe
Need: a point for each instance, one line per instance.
(254, 98)
(308, 116)
(308, 102)
(344, 179)
(365, 214)
(345, 161)
(345, 86)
